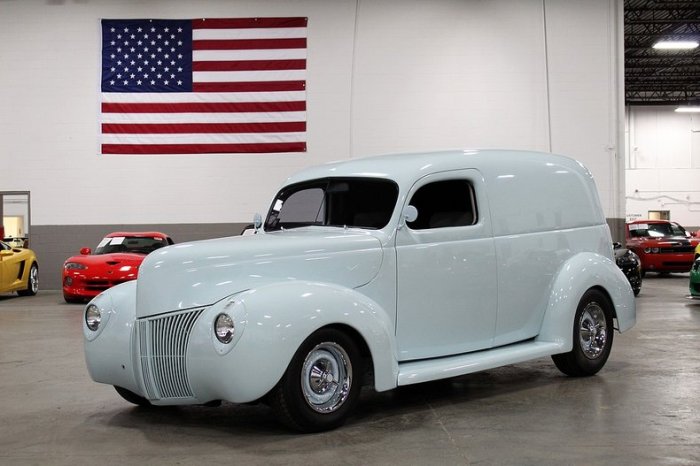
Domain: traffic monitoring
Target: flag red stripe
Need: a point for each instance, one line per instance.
(250, 86)
(204, 107)
(154, 149)
(249, 44)
(249, 65)
(187, 128)
(247, 23)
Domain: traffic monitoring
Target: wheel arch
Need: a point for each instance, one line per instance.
(365, 353)
(579, 274)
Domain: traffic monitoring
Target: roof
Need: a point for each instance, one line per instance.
(648, 221)
(138, 234)
(406, 168)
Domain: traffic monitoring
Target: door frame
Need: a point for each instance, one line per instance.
(29, 209)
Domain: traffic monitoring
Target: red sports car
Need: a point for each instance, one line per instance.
(662, 246)
(116, 260)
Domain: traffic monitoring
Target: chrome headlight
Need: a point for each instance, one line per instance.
(224, 328)
(93, 317)
(74, 266)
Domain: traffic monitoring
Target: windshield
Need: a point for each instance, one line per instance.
(656, 230)
(352, 202)
(130, 244)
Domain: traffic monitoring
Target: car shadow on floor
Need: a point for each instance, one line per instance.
(376, 415)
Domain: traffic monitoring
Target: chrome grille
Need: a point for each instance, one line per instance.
(163, 348)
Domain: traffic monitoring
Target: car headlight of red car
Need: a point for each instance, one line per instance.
(74, 266)
(651, 250)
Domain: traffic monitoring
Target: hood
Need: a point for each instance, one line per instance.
(100, 260)
(667, 240)
(200, 273)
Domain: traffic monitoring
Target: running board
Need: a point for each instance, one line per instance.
(433, 369)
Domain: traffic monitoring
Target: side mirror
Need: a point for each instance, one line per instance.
(85, 251)
(257, 222)
(408, 214)
(617, 245)
(6, 252)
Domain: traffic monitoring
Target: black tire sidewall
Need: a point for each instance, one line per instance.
(303, 416)
(591, 366)
(132, 397)
(28, 291)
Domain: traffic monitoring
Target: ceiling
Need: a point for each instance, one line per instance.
(658, 77)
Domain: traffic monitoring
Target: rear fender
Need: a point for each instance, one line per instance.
(577, 275)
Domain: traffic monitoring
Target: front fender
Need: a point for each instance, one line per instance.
(108, 352)
(273, 321)
(580, 273)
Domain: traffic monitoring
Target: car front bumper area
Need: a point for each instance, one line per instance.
(667, 262)
(175, 358)
(77, 285)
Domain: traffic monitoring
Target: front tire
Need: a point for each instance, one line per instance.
(321, 384)
(73, 300)
(592, 337)
(32, 282)
(132, 397)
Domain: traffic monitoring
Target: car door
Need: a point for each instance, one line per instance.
(446, 269)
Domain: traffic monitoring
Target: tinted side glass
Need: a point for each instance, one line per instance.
(448, 203)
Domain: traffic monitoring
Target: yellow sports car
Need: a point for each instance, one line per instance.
(19, 270)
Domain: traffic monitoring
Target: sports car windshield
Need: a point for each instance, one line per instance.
(656, 230)
(351, 202)
(130, 244)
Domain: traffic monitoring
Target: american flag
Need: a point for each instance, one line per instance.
(203, 86)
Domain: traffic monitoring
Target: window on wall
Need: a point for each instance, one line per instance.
(15, 214)
(448, 203)
(659, 215)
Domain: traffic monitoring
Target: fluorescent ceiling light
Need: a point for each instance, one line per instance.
(688, 109)
(675, 44)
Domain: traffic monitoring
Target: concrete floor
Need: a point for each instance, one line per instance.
(642, 408)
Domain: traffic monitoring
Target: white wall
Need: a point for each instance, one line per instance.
(663, 163)
(383, 76)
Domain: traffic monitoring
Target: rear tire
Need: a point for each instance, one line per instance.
(132, 397)
(321, 384)
(592, 336)
(32, 282)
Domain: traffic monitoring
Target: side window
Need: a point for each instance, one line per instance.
(441, 204)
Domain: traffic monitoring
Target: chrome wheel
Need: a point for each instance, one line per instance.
(322, 382)
(34, 279)
(326, 377)
(592, 336)
(593, 331)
